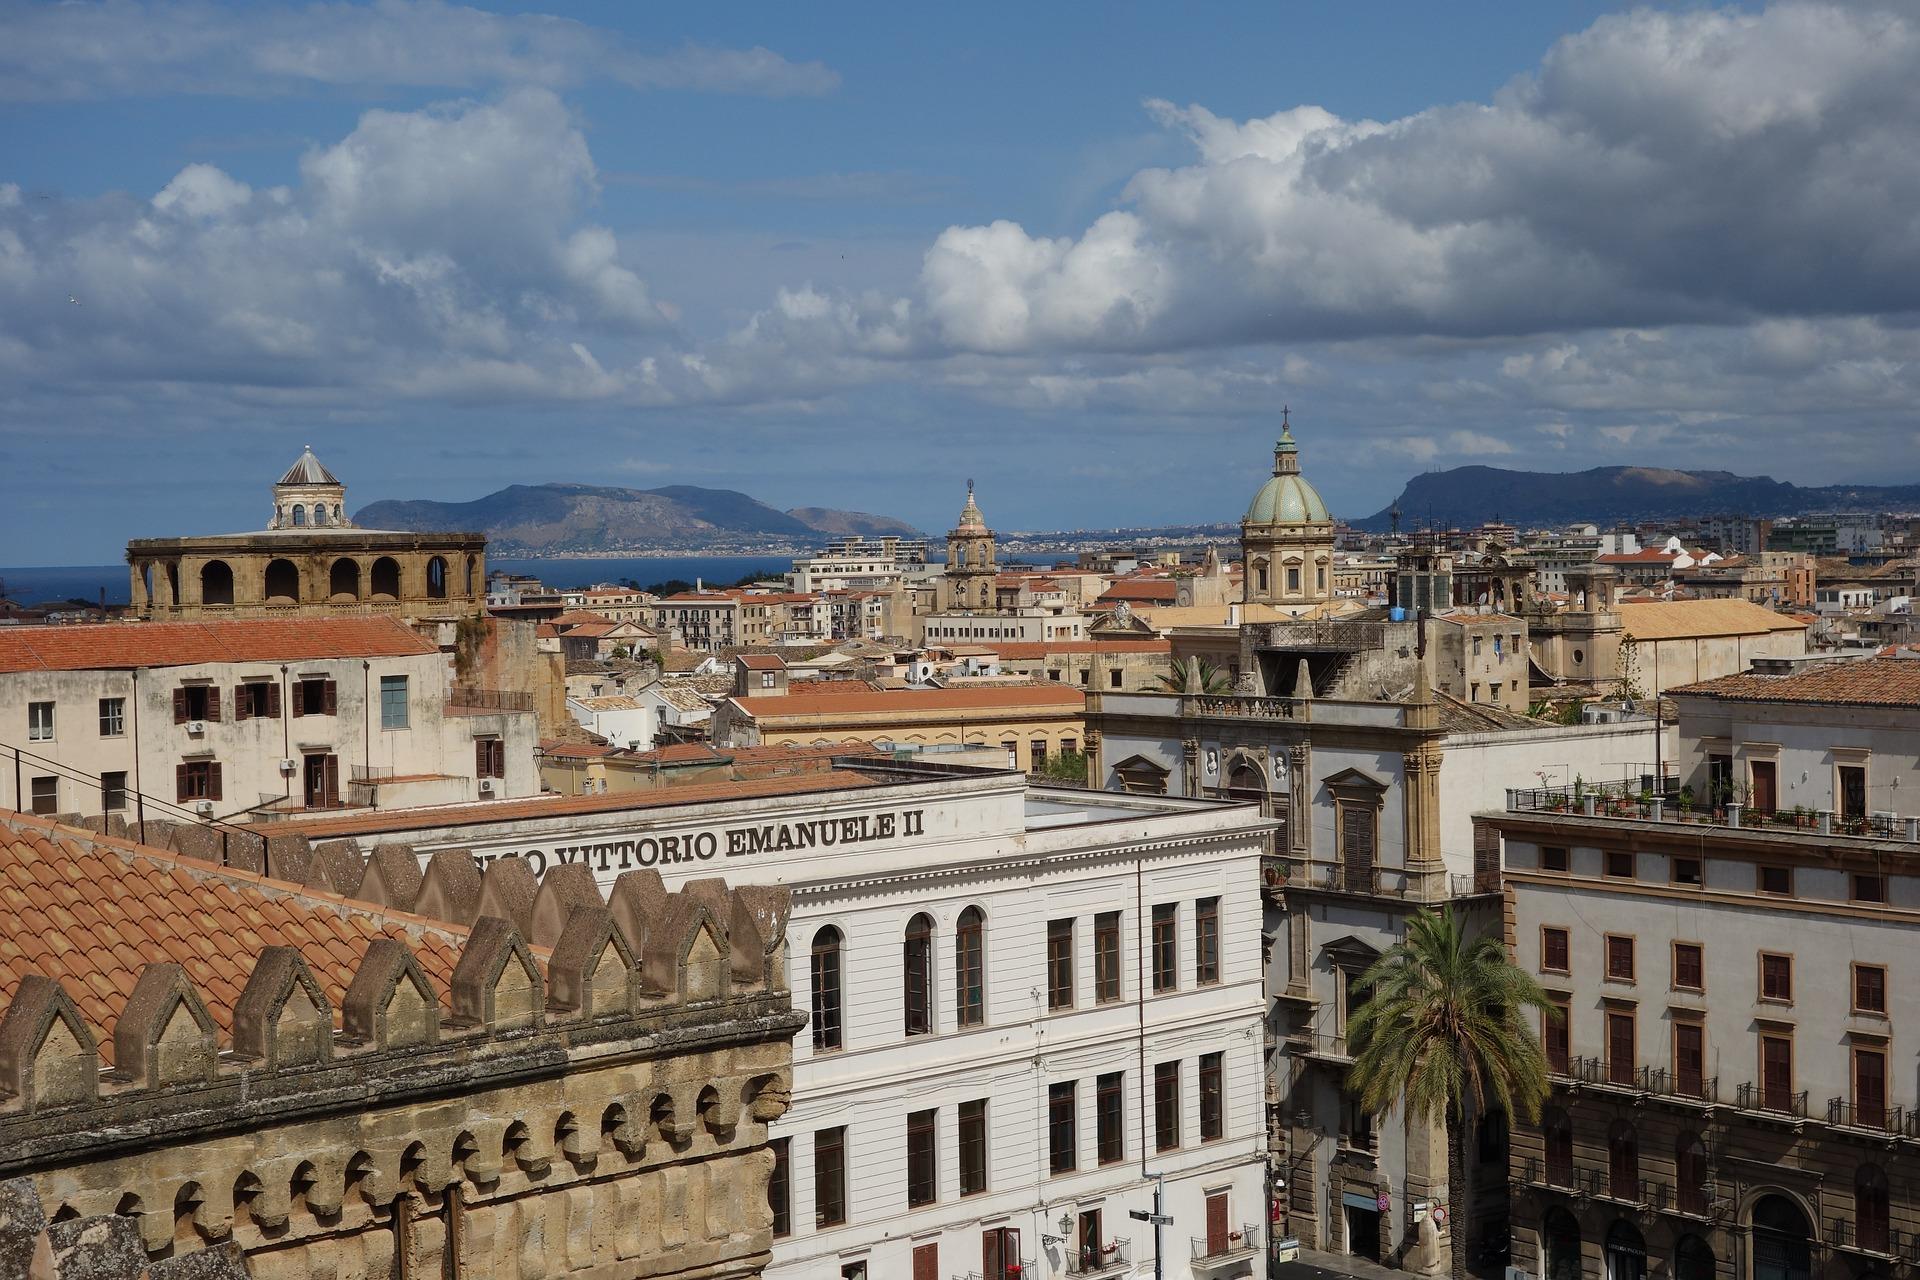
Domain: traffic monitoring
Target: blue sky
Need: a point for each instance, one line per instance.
(850, 256)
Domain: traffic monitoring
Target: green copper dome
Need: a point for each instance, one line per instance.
(1287, 498)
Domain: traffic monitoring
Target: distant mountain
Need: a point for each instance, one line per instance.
(1469, 496)
(547, 519)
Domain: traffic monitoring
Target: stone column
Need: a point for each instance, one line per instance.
(137, 585)
(1300, 800)
(1190, 767)
(1096, 769)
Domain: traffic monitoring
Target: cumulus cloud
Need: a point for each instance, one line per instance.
(87, 50)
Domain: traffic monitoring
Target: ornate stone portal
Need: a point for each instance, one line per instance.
(310, 560)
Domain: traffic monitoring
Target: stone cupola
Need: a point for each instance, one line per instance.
(309, 496)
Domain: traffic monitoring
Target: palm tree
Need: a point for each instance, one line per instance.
(1445, 1027)
(1195, 675)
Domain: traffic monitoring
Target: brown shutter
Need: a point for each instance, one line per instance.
(180, 783)
(1217, 1227)
(480, 757)
(213, 780)
(1356, 845)
(242, 702)
(333, 780)
(213, 702)
(180, 705)
(332, 705)
(926, 1262)
(273, 702)
(300, 697)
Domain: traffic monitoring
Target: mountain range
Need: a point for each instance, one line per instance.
(550, 519)
(1467, 496)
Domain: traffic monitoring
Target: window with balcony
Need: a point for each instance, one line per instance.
(1557, 1139)
(1690, 1058)
(1776, 1070)
(1870, 1085)
(1870, 1209)
(1620, 1046)
(1556, 1034)
(1623, 1162)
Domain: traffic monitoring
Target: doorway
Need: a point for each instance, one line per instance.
(321, 778)
(1766, 789)
(1363, 1226)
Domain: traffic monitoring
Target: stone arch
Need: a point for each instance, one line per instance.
(300, 1184)
(216, 582)
(320, 513)
(281, 582)
(343, 579)
(473, 567)
(660, 1116)
(1693, 1259)
(173, 582)
(186, 1212)
(1560, 1245)
(1625, 1252)
(246, 1190)
(714, 1118)
(384, 580)
(1690, 1172)
(299, 516)
(616, 1129)
(146, 580)
(436, 578)
(1782, 1236)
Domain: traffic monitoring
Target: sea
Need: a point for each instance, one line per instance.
(91, 582)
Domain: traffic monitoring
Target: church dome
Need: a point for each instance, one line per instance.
(1287, 498)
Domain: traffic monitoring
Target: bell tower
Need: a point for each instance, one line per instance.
(971, 567)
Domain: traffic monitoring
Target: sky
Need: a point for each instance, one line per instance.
(854, 255)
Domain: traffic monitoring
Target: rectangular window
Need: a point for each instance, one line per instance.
(315, 696)
(973, 1147)
(1059, 964)
(1110, 1118)
(1776, 977)
(113, 717)
(824, 978)
(1776, 1071)
(1555, 951)
(1206, 941)
(195, 702)
(1062, 1155)
(1619, 958)
(780, 1187)
(1553, 858)
(1556, 1033)
(393, 702)
(489, 758)
(1106, 957)
(1213, 1111)
(1165, 959)
(256, 698)
(1690, 1058)
(923, 1164)
(46, 796)
(1166, 1106)
(1869, 988)
(829, 1178)
(1687, 871)
(1689, 967)
(1868, 886)
(39, 722)
(1113, 678)
(113, 791)
(1777, 881)
(1619, 864)
(197, 780)
(1620, 1046)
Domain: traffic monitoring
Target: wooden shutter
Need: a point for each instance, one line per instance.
(242, 702)
(481, 758)
(1356, 845)
(213, 780)
(300, 697)
(213, 702)
(273, 702)
(926, 1262)
(1217, 1228)
(331, 706)
(1689, 1058)
(180, 783)
(180, 705)
(332, 776)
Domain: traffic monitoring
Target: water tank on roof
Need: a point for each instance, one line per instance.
(1397, 614)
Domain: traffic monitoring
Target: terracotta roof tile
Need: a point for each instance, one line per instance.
(178, 644)
(1877, 682)
(915, 701)
(1687, 619)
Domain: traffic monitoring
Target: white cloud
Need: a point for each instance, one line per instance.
(86, 50)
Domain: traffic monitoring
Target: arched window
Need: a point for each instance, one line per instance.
(1623, 1162)
(1692, 1259)
(1626, 1252)
(1782, 1247)
(386, 578)
(216, 583)
(827, 995)
(299, 516)
(917, 974)
(436, 579)
(1690, 1170)
(282, 582)
(970, 969)
(471, 565)
(344, 579)
(319, 513)
(1557, 1131)
(336, 513)
(1870, 1208)
(1560, 1241)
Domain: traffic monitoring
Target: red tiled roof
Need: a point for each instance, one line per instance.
(1874, 682)
(699, 597)
(910, 701)
(119, 646)
(1024, 649)
(761, 662)
(580, 617)
(1141, 589)
(91, 912)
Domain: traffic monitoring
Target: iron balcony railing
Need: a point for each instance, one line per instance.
(1879, 1117)
(1772, 1101)
(1238, 1243)
(1639, 801)
(1658, 1081)
(1868, 1237)
(1088, 1260)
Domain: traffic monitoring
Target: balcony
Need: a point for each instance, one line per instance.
(1209, 704)
(1338, 877)
(1241, 1243)
(1777, 1103)
(1640, 801)
(1873, 1239)
(1842, 1114)
(1113, 1259)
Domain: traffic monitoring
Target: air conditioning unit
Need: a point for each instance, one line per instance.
(196, 727)
(203, 807)
(288, 766)
(486, 786)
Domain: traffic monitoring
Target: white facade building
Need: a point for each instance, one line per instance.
(1024, 1003)
(621, 719)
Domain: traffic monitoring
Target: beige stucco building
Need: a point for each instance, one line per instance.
(310, 560)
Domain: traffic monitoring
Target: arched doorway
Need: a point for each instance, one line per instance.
(1692, 1259)
(344, 579)
(1626, 1253)
(1782, 1244)
(386, 578)
(282, 585)
(1560, 1245)
(436, 579)
(216, 582)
